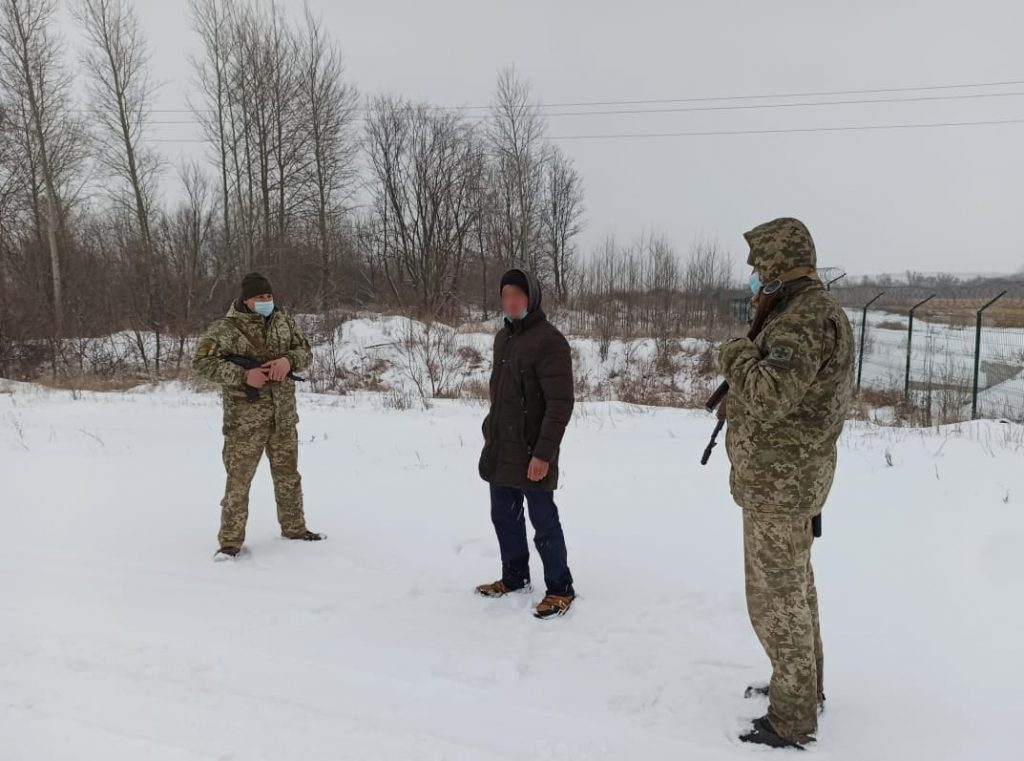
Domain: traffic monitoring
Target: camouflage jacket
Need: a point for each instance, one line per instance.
(790, 388)
(262, 338)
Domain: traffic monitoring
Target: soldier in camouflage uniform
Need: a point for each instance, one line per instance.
(254, 328)
(789, 391)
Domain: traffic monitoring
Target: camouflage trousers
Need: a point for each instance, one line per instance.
(244, 445)
(783, 606)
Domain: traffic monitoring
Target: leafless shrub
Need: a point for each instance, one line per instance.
(431, 360)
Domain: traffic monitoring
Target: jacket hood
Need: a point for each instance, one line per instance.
(535, 292)
(779, 246)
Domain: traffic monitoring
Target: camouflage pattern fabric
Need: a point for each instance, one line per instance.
(790, 388)
(783, 605)
(262, 338)
(779, 246)
(252, 428)
(244, 445)
(789, 394)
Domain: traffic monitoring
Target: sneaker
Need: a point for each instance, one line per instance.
(500, 589)
(553, 606)
(762, 732)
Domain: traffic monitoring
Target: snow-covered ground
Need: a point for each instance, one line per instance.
(121, 639)
(394, 353)
(372, 351)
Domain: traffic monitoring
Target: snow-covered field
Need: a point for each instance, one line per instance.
(121, 639)
(943, 356)
(372, 351)
(391, 353)
(394, 353)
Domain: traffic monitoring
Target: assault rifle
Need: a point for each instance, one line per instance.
(248, 363)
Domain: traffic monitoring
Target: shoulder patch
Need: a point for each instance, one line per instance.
(781, 355)
(205, 347)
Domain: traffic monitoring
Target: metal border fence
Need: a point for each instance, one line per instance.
(956, 353)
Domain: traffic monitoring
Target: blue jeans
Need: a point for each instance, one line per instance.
(509, 520)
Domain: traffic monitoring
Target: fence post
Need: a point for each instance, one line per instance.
(863, 335)
(977, 354)
(910, 340)
(828, 285)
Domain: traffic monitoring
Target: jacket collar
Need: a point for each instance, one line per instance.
(518, 326)
(239, 311)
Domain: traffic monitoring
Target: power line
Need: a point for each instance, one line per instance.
(797, 130)
(755, 106)
(749, 107)
(820, 94)
(706, 99)
(718, 133)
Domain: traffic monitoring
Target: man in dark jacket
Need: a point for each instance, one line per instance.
(531, 395)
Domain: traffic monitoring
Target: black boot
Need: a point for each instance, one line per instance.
(763, 733)
(306, 536)
(227, 552)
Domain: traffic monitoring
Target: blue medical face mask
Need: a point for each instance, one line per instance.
(755, 283)
(520, 317)
(263, 308)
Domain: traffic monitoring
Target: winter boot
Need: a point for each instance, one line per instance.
(500, 589)
(306, 536)
(553, 606)
(763, 733)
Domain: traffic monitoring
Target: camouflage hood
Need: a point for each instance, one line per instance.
(779, 246)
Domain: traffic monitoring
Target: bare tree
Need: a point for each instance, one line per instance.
(428, 167)
(12, 174)
(561, 219)
(190, 229)
(282, 62)
(118, 67)
(708, 283)
(518, 153)
(33, 75)
(185, 237)
(329, 106)
(117, 63)
(708, 268)
(211, 21)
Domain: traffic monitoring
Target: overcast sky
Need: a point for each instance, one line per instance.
(948, 199)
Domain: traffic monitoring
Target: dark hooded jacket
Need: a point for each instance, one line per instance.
(531, 399)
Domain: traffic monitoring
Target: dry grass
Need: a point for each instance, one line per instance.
(106, 382)
(1006, 313)
(475, 390)
(707, 363)
(91, 383)
(472, 359)
(904, 411)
